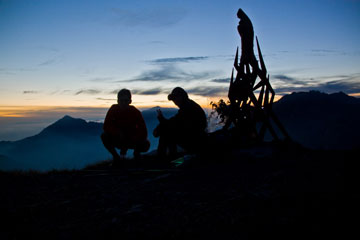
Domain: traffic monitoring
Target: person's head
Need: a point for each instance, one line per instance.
(179, 96)
(124, 97)
(240, 13)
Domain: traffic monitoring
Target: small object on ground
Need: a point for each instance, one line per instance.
(184, 160)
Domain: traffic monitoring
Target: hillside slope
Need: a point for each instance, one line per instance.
(288, 193)
(69, 143)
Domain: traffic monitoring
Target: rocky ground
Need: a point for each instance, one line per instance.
(276, 190)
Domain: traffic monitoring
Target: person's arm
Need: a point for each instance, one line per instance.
(179, 119)
(141, 126)
(109, 121)
(160, 115)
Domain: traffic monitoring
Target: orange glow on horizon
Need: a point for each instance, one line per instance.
(31, 111)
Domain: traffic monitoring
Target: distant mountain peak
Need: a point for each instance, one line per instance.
(66, 117)
(69, 125)
(152, 108)
(317, 97)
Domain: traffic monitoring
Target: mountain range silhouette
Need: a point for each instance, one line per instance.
(313, 119)
(320, 120)
(73, 126)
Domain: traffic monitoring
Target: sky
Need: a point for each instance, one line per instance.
(72, 56)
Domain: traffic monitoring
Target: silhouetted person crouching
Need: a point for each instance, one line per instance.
(124, 128)
(186, 128)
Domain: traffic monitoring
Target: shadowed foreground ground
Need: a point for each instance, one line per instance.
(282, 191)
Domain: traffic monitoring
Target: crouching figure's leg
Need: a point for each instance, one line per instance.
(110, 144)
(140, 147)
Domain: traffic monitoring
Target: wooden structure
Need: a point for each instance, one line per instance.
(248, 111)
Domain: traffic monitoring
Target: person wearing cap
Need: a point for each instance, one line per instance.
(186, 129)
(124, 128)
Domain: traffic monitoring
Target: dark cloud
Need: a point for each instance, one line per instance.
(30, 92)
(154, 91)
(337, 86)
(221, 80)
(101, 79)
(209, 91)
(283, 77)
(206, 91)
(106, 99)
(323, 51)
(161, 101)
(88, 91)
(178, 59)
(12, 71)
(171, 73)
(6, 71)
(133, 91)
(157, 17)
(287, 80)
(47, 62)
(348, 84)
(114, 91)
(66, 91)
